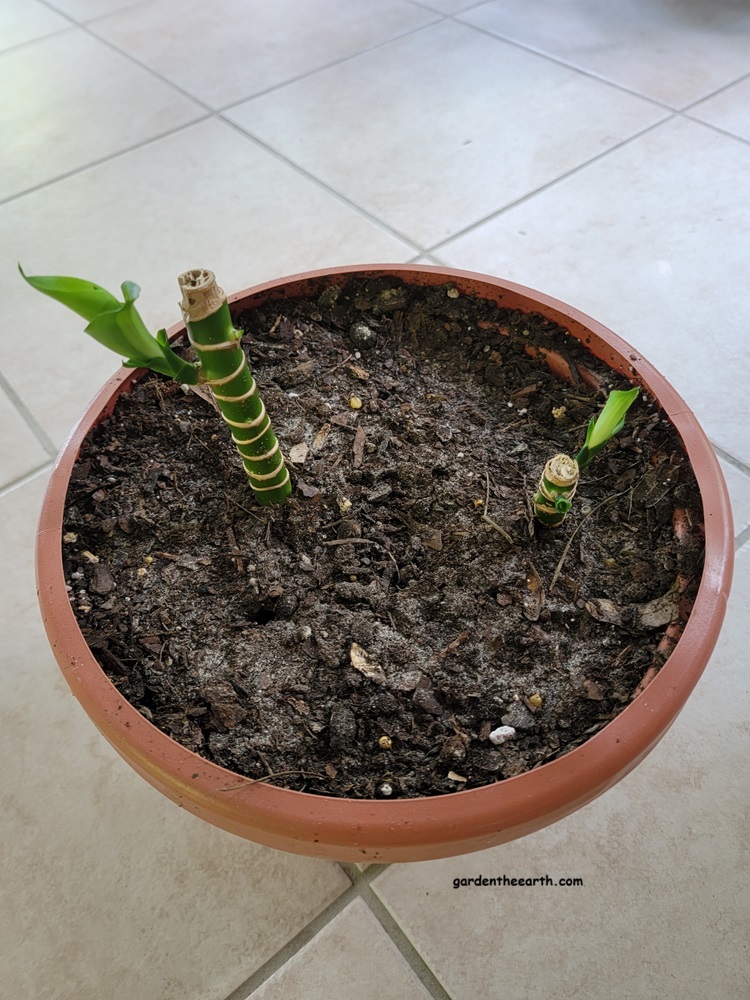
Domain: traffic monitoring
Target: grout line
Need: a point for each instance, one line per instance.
(336, 62)
(85, 26)
(361, 888)
(426, 4)
(551, 184)
(148, 69)
(714, 93)
(676, 112)
(418, 251)
(361, 876)
(434, 260)
(730, 459)
(23, 480)
(218, 115)
(409, 953)
(742, 539)
(559, 61)
(295, 944)
(360, 881)
(104, 159)
(41, 435)
(714, 128)
(39, 38)
(127, 5)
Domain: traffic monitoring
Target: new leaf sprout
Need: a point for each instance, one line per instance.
(557, 486)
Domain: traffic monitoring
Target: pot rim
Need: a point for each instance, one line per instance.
(546, 790)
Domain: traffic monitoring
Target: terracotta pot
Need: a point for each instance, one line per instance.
(409, 829)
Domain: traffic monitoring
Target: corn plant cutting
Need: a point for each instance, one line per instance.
(221, 365)
(559, 481)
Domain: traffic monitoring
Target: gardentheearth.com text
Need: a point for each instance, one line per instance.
(500, 880)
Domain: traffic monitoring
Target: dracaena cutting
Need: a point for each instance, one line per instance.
(559, 481)
(221, 362)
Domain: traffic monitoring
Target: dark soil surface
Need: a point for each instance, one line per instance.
(365, 638)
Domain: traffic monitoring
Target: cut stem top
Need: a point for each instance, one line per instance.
(225, 371)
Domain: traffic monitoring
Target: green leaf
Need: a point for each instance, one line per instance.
(609, 422)
(171, 365)
(117, 325)
(130, 291)
(611, 419)
(83, 297)
(135, 331)
(106, 330)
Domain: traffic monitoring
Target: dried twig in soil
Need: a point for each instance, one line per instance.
(580, 524)
(488, 519)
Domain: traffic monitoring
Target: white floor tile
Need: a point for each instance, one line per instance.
(351, 957)
(652, 241)
(75, 101)
(24, 20)
(84, 10)
(672, 51)
(438, 129)
(231, 49)
(110, 890)
(20, 450)
(663, 910)
(204, 197)
(738, 485)
(729, 110)
(448, 6)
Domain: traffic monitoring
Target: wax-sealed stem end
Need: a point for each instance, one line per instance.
(201, 295)
(556, 489)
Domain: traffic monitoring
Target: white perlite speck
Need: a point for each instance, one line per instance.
(502, 734)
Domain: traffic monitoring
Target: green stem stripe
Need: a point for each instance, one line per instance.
(556, 490)
(225, 371)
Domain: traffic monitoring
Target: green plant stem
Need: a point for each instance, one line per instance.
(557, 486)
(554, 496)
(225, 371)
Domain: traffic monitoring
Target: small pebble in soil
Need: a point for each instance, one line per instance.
(518, 717)
(386, 790)
(361, 335)
(385, 743)
(502, 734)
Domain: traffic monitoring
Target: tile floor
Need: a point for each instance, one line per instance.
(599, 151)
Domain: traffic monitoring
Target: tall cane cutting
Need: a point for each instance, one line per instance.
(221, 364)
